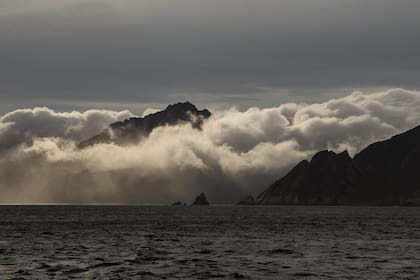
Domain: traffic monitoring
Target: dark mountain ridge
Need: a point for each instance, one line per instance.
(132, 130)
(384, 173)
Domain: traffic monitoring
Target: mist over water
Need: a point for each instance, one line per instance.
(223, 242)
(236, 153)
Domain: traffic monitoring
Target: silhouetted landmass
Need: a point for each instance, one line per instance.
(384, 173)
(201, 199)
(133, 129)
(247, 200)
(177, 203)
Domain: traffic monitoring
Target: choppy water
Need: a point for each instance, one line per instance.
(223, 242)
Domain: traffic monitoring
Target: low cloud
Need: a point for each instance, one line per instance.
(236, 152)
(23, 125)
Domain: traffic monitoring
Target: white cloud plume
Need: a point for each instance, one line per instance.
(235, 153)
(23, 125)
(149, 111)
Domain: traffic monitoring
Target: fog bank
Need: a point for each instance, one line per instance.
(236, 152)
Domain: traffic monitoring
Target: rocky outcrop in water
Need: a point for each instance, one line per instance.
(133, 129)
(201, 199)
(384, 173)
(247, 200)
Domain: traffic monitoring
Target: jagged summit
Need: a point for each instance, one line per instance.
(133, 129)
(384, 173)
(182, 106)
(326, 155)
(310, 182)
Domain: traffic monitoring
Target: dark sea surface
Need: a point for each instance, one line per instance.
(216, 242)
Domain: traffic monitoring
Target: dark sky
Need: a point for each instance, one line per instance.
(133, 54)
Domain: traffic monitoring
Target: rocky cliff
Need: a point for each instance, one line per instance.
(384, 173)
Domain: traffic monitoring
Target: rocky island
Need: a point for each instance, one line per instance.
(247, 200)
(177, 203)
(201, 199)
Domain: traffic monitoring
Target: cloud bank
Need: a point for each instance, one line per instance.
(22, 126)
(236, 153)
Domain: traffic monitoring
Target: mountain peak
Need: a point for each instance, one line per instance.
(132, 130)
(182, 106)
(329, 156)
(323, 155)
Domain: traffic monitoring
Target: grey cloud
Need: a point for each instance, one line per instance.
(236, 152)
(156, 51)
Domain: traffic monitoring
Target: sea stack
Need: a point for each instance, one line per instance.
(201, 199)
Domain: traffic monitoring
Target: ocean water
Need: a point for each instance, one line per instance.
(216, 242)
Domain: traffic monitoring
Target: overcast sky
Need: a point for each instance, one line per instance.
(80, 54)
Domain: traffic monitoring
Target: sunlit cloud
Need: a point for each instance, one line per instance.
(234, 154)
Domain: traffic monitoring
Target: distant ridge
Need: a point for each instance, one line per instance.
(384, 173)
(132, 130)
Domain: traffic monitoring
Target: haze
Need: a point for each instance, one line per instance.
(283, 80)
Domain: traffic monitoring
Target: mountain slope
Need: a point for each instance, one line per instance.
(384, 173)
(132, 130)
